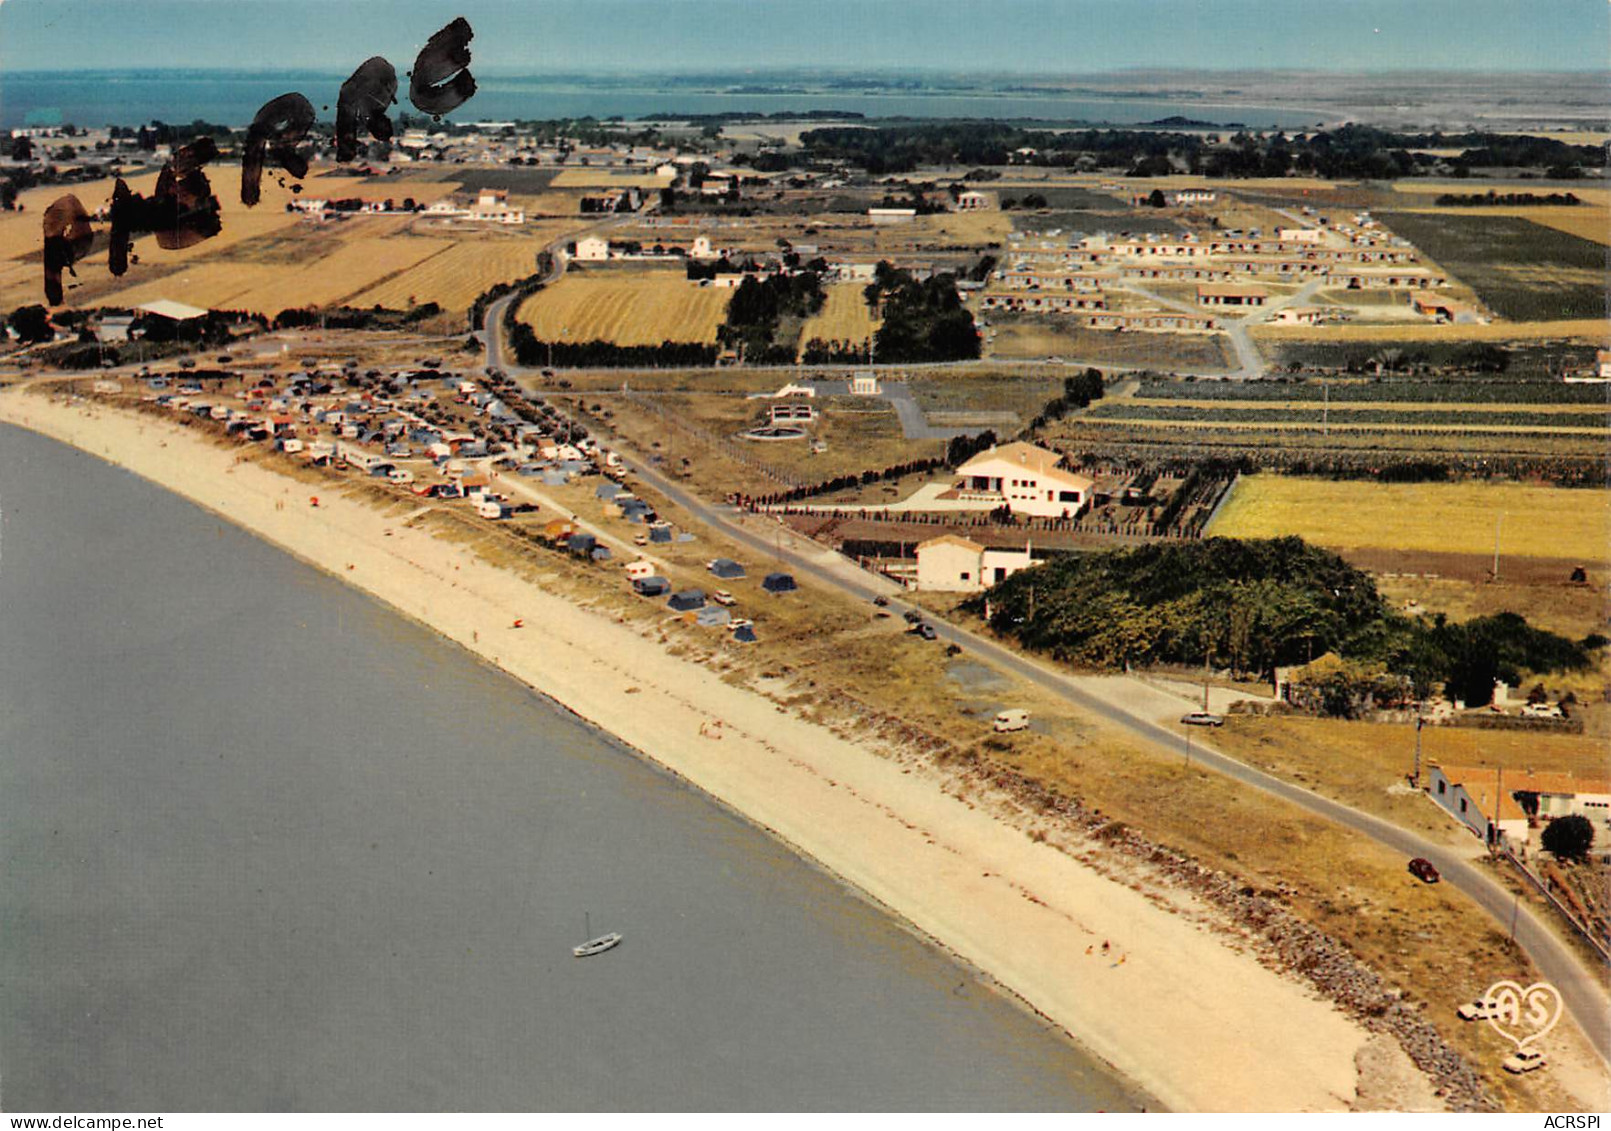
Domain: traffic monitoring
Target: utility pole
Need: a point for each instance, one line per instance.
(1497, 521)
(1420, 722)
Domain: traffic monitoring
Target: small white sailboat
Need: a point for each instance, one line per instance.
(598, 945)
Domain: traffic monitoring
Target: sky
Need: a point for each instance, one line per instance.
(1030, 36)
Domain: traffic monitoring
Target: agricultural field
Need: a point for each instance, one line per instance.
(1587, 221)
(626, 307)
(352, 261)
(1488, 393)
(264, 236)
(1041, 336)
(1523, 271)
(844, 317)
(1352, 413)
(1547, 522)
(1092, 222)
(456, 276)
(1586, 328)
(583, 177)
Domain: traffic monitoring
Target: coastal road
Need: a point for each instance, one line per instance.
(1585, 996)
(1583, 992)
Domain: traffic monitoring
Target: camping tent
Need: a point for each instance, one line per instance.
(687, 599)
(712, 616)
(651, 586)
(660, 532)
(779, 583)
(726, 568)
(744, 634)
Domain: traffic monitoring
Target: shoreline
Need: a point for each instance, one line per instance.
(1184, 1018)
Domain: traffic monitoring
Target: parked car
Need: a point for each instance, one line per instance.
(1203, 719)
(722, 597)
(1422, 869)
(1479, 1010)
(1523, 1060)
(912, 616)
(924, 630)
(737, 623)
(881, 601)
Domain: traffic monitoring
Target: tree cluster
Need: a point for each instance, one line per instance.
(1254, 605)
(758, 309)
(922, 320)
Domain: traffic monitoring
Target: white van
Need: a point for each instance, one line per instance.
(1016, 719)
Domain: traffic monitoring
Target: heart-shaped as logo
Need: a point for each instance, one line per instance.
(1520, 1015)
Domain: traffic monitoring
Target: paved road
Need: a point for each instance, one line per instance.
(1585, 995)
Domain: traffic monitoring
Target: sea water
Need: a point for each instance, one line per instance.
(267, 845)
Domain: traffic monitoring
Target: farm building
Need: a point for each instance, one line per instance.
(492, 206)
(952, 564)
(972, 201)
(891, 215)
(592, 249)
(1193, 196)
(1443, 309)
(172, 311)
(864, 383)
(1026, 479)
(1484, 799)
(1303, 315)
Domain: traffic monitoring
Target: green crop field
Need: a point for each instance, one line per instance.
(1463, 391)
(1575, 416)
(1526, 272)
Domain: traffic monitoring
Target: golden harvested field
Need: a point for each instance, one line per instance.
(351, 267)
(214, 283)
(454, 278)
(578, 177)
(629, 308)
(238, 284)
(1547, 522)
(844, 317)
(20, 235)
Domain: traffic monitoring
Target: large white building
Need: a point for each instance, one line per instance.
(592, 249)
(1027, 480)
(953, 564)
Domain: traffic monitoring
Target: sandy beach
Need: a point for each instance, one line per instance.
(1191, 1021)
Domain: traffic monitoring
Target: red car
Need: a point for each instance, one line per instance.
(1423, 870)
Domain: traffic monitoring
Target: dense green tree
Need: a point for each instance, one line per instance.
(1569, 838)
